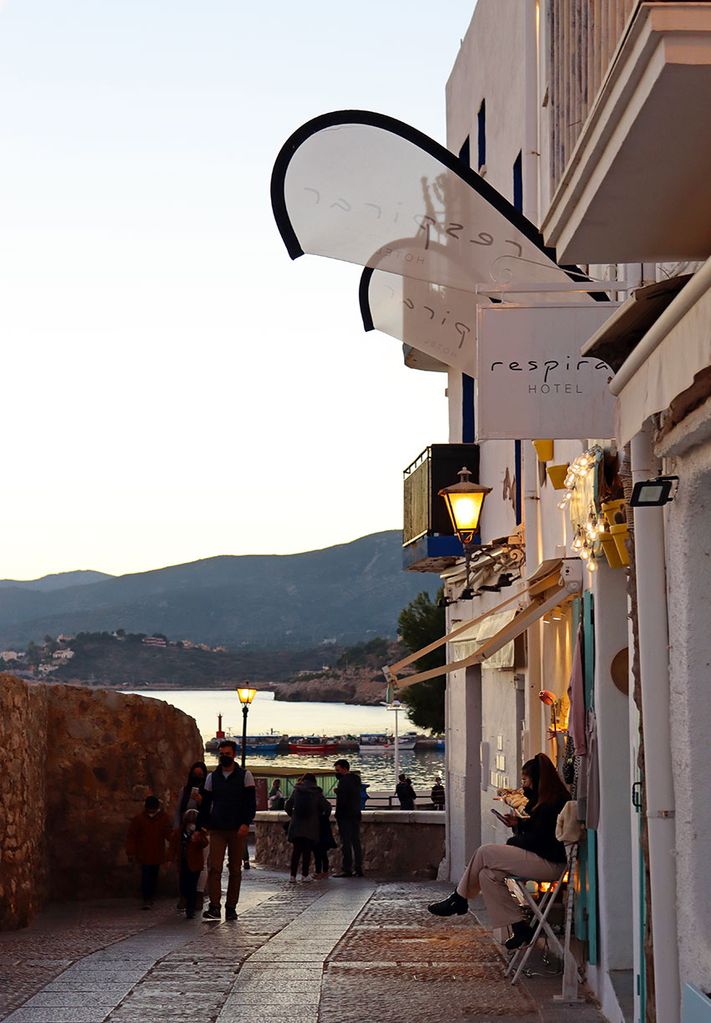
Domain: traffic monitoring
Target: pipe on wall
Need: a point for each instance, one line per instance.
(656, 711)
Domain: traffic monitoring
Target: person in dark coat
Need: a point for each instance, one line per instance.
(405, 793)
(305, 806)
(348, 816)
(187, 846)
(148, 833)
(191, 795)
(325, 843)
(437, 794)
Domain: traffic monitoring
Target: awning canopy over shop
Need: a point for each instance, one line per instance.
(673, 353)
(552, 583)
(431, 233)
(468, 644)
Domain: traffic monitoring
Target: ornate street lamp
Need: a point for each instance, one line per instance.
(246, 695)
(464, 502)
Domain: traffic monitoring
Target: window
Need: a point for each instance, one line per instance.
(481, 134)
(518, 182)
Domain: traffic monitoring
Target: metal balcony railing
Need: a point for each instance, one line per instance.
(436, 467)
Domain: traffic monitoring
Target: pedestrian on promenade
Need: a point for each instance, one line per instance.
(348, 816)
(437, 794)
(405, 793)
(325, 843)
(305, 805)
(191, 794)
(188, 844)
(190, 798)
(146, 840)
(276, 796)
(532, 852)
(228, 807)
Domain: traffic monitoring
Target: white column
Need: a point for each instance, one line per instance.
(658, 778)
(463, 804)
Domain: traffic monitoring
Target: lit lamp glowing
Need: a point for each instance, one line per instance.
(464, 502)
(246, 696)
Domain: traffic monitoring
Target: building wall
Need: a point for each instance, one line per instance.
(688, 532)
(463, 712)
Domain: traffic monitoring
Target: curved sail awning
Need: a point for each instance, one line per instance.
(369, 189)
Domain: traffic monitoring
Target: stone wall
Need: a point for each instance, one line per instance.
(77, 764)
(396, 843)
(23, 852)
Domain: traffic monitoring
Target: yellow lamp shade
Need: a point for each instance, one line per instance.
(544, 450)
(246, 695)
(464, 501)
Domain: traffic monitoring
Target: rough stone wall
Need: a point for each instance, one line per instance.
(397, 844)
(77, 764)
(23, 853)
(106, 752)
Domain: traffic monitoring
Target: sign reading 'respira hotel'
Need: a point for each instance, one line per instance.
(532, 380)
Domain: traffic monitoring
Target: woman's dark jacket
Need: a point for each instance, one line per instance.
(305, 806)
(537, 833)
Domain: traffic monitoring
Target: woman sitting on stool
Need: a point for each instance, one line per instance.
(532, 852)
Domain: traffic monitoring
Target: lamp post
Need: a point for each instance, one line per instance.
(395, 706)
(464, 502)
(246, 695)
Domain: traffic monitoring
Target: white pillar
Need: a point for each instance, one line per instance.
(658, 777)
(463, 804)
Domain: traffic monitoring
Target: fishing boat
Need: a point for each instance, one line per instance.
(315, 744)
(255, 743)
(379, 742)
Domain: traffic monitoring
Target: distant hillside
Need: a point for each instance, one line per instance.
(336, 596)
(59, 581)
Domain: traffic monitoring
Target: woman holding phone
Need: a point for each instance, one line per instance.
(191, 797)
(532, 852)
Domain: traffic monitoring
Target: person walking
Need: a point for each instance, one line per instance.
(405, 793)
(228, 807)
(348, 816)
(190, 798)
(305, 805)
(188, 845)
(437, 794)
(532, 852)
(146, 840)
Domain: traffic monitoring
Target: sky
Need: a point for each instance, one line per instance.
(174, 387)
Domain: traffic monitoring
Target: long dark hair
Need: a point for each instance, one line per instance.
(205, 772)
(549, 789)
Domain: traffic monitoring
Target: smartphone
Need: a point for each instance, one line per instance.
(500, 816)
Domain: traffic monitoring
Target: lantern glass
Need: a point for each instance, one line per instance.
(464, 503)
(246, 695)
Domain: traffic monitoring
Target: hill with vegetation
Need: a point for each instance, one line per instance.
(315, 601)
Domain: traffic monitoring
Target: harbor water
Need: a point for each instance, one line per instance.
(280, 717)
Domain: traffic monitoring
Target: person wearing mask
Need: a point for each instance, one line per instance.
(228, 807)
(532, 852)
(305, 805)
(187, 845)
(147, 835)
(437, 794)
(405, 793)
(348, 815)
(191, 794)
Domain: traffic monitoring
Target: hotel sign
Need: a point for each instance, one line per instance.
(531, 378)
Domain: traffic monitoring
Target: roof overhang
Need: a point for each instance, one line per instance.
(636, 187)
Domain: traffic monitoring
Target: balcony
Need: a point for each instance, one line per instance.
(632, 166)
(429, 543)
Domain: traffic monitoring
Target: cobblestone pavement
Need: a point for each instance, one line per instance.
(338, 951)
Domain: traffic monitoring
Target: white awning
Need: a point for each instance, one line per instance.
(552, 583)
(470, 642)
(667, 360)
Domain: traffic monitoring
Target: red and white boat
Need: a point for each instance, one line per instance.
(314, 744)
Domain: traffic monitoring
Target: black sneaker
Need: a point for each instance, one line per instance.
(455, 904)
(522, 935)
(230, 913)
(212, 913)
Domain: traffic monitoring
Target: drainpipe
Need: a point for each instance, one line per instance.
(656, 712)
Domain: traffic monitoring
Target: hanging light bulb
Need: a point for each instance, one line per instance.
(577, 542)
(592, 565)
(585, 552)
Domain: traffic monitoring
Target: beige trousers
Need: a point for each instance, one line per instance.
(232, 843)
(487, 871)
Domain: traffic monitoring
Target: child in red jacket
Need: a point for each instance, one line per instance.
(145, 844)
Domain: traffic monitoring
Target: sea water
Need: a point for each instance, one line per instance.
(281, 717)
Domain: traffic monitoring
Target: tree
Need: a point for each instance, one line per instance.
(421, 622)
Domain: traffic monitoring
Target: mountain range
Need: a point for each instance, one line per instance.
(340, 594)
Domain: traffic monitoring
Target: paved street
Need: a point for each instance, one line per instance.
(338, 951)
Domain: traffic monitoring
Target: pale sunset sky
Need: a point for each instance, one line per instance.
(174, 387)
